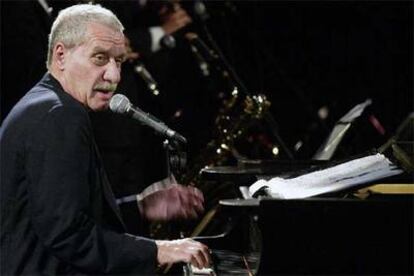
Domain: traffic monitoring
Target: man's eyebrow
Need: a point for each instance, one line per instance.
(122, 56)
(98, 49)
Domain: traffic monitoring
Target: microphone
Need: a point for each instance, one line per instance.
(168, 42)
(146, 76)
(200, 10)
(202, 63)
(120, 104)
(201, 46)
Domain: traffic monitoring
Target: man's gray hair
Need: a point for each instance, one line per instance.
(71, 24)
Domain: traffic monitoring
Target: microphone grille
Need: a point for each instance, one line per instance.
(168, 42)
(200, 10)
(119, 103)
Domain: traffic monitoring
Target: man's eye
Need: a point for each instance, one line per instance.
(100, 59)
(119, 61)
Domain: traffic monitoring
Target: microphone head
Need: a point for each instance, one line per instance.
(119, 104)
(168, 42)
(200, 10)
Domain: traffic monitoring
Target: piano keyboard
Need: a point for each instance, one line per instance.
(227, 262)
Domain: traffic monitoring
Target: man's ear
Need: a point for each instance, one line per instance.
(59, 55)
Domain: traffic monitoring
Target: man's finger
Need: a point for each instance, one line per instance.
(202, 255)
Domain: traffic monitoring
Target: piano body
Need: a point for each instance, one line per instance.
(316, 236)
(328, 235)
(336, 236)
(342, 233)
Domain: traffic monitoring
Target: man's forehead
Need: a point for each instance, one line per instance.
(96, 31)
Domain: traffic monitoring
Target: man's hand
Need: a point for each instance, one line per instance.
(184, 250)
(174, 202)
(175, 19)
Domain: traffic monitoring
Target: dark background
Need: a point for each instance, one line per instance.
(303, 55)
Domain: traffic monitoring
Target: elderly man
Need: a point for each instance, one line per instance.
(58, 213)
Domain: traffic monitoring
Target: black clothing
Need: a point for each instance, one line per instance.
(58, 213)
(25, 26)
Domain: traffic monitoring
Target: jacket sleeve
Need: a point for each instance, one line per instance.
(59, 160)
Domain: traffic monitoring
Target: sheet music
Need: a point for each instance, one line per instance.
(336, 178)
(355, 112)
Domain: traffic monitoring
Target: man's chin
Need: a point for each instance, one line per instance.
(100, 107)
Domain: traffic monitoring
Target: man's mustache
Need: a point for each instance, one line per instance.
(106, 87)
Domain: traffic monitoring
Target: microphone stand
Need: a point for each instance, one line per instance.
(176, 160)
(176, 157)
(238, 82)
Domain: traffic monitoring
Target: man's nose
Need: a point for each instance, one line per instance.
(112, 72)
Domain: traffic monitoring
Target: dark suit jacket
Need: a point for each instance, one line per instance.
(58, 214)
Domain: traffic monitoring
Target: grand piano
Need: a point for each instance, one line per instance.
(360, 231)
(348, 232)
(327, 235)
